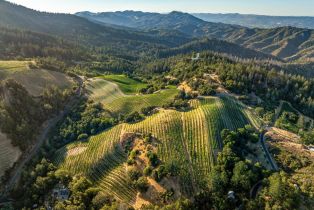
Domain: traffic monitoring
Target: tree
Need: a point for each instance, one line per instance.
(243, 177)
(280, 194)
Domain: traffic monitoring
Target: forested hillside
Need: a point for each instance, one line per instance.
(258, 21)
(288, 43)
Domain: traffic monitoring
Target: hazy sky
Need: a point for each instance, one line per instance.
(267, 7)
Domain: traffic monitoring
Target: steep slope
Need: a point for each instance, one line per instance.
(286, 42)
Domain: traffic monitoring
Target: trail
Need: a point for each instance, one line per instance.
(47, 126)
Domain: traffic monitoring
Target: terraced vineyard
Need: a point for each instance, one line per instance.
(189, 139)
(8, 154)
(34, 80)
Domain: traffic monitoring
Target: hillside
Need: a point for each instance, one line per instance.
(34, 80)
(78, 34)
(122, 96)
(258, 21)
(188, 139)
(8, 154)
(80, 30)
(287, 43)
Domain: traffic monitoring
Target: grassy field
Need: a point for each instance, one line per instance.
(131, 103)
(126, 84)
(189, 139)
(8, 154)
(34, 80)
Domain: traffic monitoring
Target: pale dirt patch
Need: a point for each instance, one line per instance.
(8, 154)
(289, 141)
(185, 87)
(280, 133)
(76, 151)
(214, 77)
(140, 201)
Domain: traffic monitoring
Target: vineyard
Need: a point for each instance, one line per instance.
(131, 103)
(126, 84)
(8, 154)
(100, 90)
(119, 97)
(189, 139)
(34, 80)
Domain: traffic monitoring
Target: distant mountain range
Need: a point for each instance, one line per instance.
(123, 42)
(287, 43)
(132, 34)
(258, 21)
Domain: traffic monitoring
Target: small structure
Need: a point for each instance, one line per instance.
(60, 192)
(311, 148)
(231, 195)
(196, 58)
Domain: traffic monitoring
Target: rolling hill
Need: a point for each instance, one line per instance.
(119, 94)
(73, 36)
(287, 43)
(189, 139)
(34, 80)
(258, 21)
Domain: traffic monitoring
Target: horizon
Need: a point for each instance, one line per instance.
(288, 8)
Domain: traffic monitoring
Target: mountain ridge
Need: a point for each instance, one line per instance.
(289, 43)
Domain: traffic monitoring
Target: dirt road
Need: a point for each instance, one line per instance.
(41, 139)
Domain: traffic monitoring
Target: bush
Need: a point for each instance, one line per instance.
(82, 137)
(134, 174)
(148, 171)
(147, 110)
(133, 117)
(142, 184)
(153, 158)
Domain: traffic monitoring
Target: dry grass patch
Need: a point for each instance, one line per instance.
(76, 151)
(34, 80)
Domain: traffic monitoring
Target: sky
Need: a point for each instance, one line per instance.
(262, 7)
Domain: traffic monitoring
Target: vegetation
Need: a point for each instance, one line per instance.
(21, 116)
(198, 148)
(126, 84)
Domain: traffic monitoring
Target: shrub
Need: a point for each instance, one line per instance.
(134, 174)
(148, 171)
(142, 184)
(133, 117)
(82, 137)
(153, 158)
